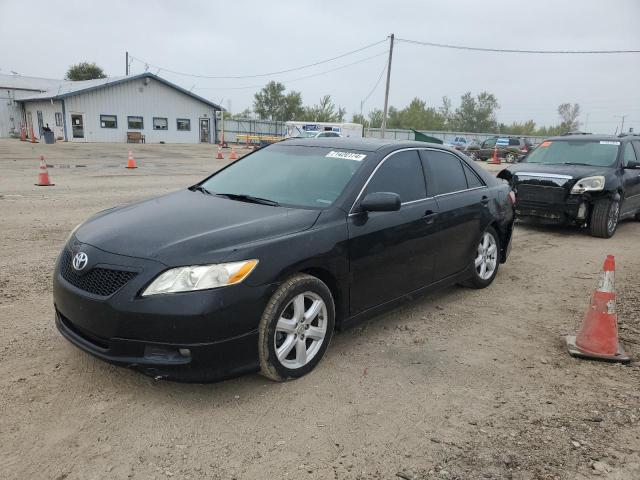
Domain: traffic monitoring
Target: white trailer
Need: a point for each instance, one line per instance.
(298, 129)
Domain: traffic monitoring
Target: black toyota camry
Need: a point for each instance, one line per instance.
(253, 268)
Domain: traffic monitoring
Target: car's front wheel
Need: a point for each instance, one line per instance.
(296, 328)
(472, 155)
(604, 218)
(486, 260)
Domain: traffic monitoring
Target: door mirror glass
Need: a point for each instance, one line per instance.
(381, 202)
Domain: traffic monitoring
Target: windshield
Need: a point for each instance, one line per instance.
(295, 176)
(580, 152)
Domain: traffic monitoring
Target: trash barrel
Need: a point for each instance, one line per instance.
(49, 137)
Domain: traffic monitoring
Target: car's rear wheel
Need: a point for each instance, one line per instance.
(472, 155)
(296, 328)
(604, 218)
(486, 260)
(510, 157)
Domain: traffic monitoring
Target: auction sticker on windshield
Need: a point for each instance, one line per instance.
(607, 142)
(358, 157)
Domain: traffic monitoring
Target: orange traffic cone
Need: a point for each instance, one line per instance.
(495, 160)
(233, 155)
(23, 134)
(598, 337)
(43, 174)
(33, 136)
(219, 155)
(131, 163)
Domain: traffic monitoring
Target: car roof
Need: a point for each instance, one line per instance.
(586, 137)
(363, 144)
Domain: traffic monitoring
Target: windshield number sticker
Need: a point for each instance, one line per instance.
(607, 142)
(358, 157)
(545, 144)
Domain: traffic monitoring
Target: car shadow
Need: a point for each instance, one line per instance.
(565, 230)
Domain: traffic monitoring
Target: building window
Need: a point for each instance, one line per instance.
(58, 119)
(108, 121)
(184, 124)
(160, 123)
(135, 123)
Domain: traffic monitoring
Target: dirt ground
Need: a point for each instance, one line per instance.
(460, 384)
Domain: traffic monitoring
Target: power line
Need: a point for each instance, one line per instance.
(511, 50)
(384, 69)
(299, 78)
(237, 77)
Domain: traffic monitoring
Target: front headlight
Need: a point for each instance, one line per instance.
(589, 184)
(200, 277)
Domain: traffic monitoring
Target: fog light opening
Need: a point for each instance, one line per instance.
(185, 352)
(582, 211)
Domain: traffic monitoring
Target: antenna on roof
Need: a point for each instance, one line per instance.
(15, 73)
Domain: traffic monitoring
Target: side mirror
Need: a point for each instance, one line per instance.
(632, 165)
(381, 202)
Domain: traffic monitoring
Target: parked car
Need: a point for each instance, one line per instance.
(511, 153)
(252, 268)
(315, 134)
(459, 143)
(588, 180)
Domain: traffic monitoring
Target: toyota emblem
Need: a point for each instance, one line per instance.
(80, 260)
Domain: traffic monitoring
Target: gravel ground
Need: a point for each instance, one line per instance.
(460, 384)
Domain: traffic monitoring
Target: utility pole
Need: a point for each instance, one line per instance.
(386, 92)
(622, 126)
(126, 61)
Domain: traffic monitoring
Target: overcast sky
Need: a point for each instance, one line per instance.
(214, 38)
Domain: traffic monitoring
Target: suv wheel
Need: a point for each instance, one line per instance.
(486, 261)
(295, 328)
(604, 218)
(510, 157)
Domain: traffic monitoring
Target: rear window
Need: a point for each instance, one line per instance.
(578, 152)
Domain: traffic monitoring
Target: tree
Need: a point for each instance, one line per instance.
(569, 116)
(325, 111)
(271, 103)
(84, 71)
(246, 113)
(375, 118)
(476, 114)
(359, 118)
(416, 115)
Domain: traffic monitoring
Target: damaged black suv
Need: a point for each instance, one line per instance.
(587, 180)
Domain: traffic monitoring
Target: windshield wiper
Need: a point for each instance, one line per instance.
(200, 188)
(248, 198)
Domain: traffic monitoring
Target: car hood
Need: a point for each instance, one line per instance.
(189, 227)
(560, 174)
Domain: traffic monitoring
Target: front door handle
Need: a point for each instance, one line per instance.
(484, 200)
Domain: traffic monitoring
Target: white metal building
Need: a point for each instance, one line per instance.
(13, 88)
(113, 109)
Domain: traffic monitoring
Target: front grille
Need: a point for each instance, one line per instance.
(97, 341)
(540, 194)
(98, 281)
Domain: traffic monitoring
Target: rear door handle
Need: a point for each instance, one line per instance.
(429, 216)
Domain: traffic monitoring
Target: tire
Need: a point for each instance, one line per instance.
(510, 157)
(283, 332)
(481, 278)
(473, 156)
(604, 218)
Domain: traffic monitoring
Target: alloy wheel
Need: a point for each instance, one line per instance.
(487, 256)
(301, 330)
(614, 214)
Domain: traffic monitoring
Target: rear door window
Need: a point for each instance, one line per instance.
(473, 181)
(445, 171)
(400, 173)
(514, 142)
(489, 143)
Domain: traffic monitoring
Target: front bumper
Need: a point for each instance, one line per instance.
(574, 210)
(218, 327)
